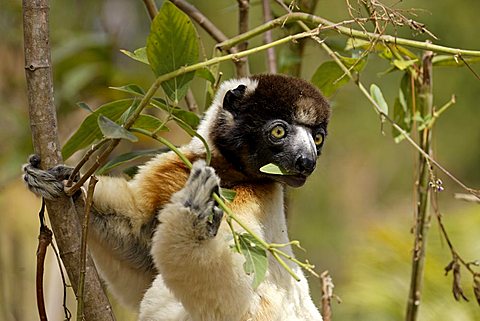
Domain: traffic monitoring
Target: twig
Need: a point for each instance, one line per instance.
(151, 8)
(271, 59)
(469, 67)
(209, 27)
(467, 197)
(83, 251)
(191, 102)
(44, 240)
(327, 295)
(346, 31)
(422, 192)
(243, 13)
(85, 159)
(66, 311)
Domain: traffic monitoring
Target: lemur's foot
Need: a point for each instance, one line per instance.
(47, 183)
(197, 196)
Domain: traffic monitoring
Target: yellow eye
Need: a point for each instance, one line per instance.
(278, 132)
(318, 139)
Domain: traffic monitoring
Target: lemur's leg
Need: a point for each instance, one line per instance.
(196, 264)
(119, 243)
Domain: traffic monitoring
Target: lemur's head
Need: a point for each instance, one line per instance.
(269, 119)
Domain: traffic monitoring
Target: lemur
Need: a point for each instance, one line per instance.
(161, 242)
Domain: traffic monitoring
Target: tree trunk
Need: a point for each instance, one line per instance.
(43, 124)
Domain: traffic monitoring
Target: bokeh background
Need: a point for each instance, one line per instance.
(355, 214)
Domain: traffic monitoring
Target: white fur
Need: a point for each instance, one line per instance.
(206, 125)
(208, 278)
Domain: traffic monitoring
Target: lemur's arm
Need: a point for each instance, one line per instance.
(119, 241)
(196, 264)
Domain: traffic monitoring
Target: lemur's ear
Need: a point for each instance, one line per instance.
(231, 98)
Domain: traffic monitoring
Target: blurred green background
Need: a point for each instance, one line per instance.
(355, 214)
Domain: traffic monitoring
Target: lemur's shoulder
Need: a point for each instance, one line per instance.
(159, 179)
(166, 174)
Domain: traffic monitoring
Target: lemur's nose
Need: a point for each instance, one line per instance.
(305, 165)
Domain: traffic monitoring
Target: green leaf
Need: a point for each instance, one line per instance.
(149, 123)
(274, 170)
(329, 76)
(111, 129)
(400, 117)
(85, 106)
(256, 261)
(404, 64)
(188, 117)
(228, 194)
(378, 98)
(89, 131)
(355, 43)
(131, 89)
(172, 44)
(206, 74)
(124, 158)
(139, 55)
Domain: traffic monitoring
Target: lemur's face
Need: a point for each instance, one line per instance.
(282, 121)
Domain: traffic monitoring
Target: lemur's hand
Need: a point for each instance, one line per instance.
(47, 183)
(197, 196)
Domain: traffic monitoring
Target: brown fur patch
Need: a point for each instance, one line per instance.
(251, 195)
(307, 112)
(160, 179)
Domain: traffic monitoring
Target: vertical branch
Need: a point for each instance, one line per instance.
(271, 59)
(83, 252)
(44, 240)
(243, 13)
(151, 8)
(425, 107)
(327, 295)
(43, 124)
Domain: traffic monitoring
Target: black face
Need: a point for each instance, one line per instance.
(265, 129)
(293, 147)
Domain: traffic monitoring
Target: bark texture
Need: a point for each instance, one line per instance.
(62, 213)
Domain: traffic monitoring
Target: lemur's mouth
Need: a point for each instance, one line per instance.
(295, 180)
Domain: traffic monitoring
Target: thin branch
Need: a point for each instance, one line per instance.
(469, 67)
(83, 252)
(201, 19)
(191, 102)
(209, 27)
(66, 311)
(467, 198)
(346, 31)
(243, 13)
(85, 159)
(44, 240)
(151, 8)
(271, 59)
(327, 295)
(422, 192)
